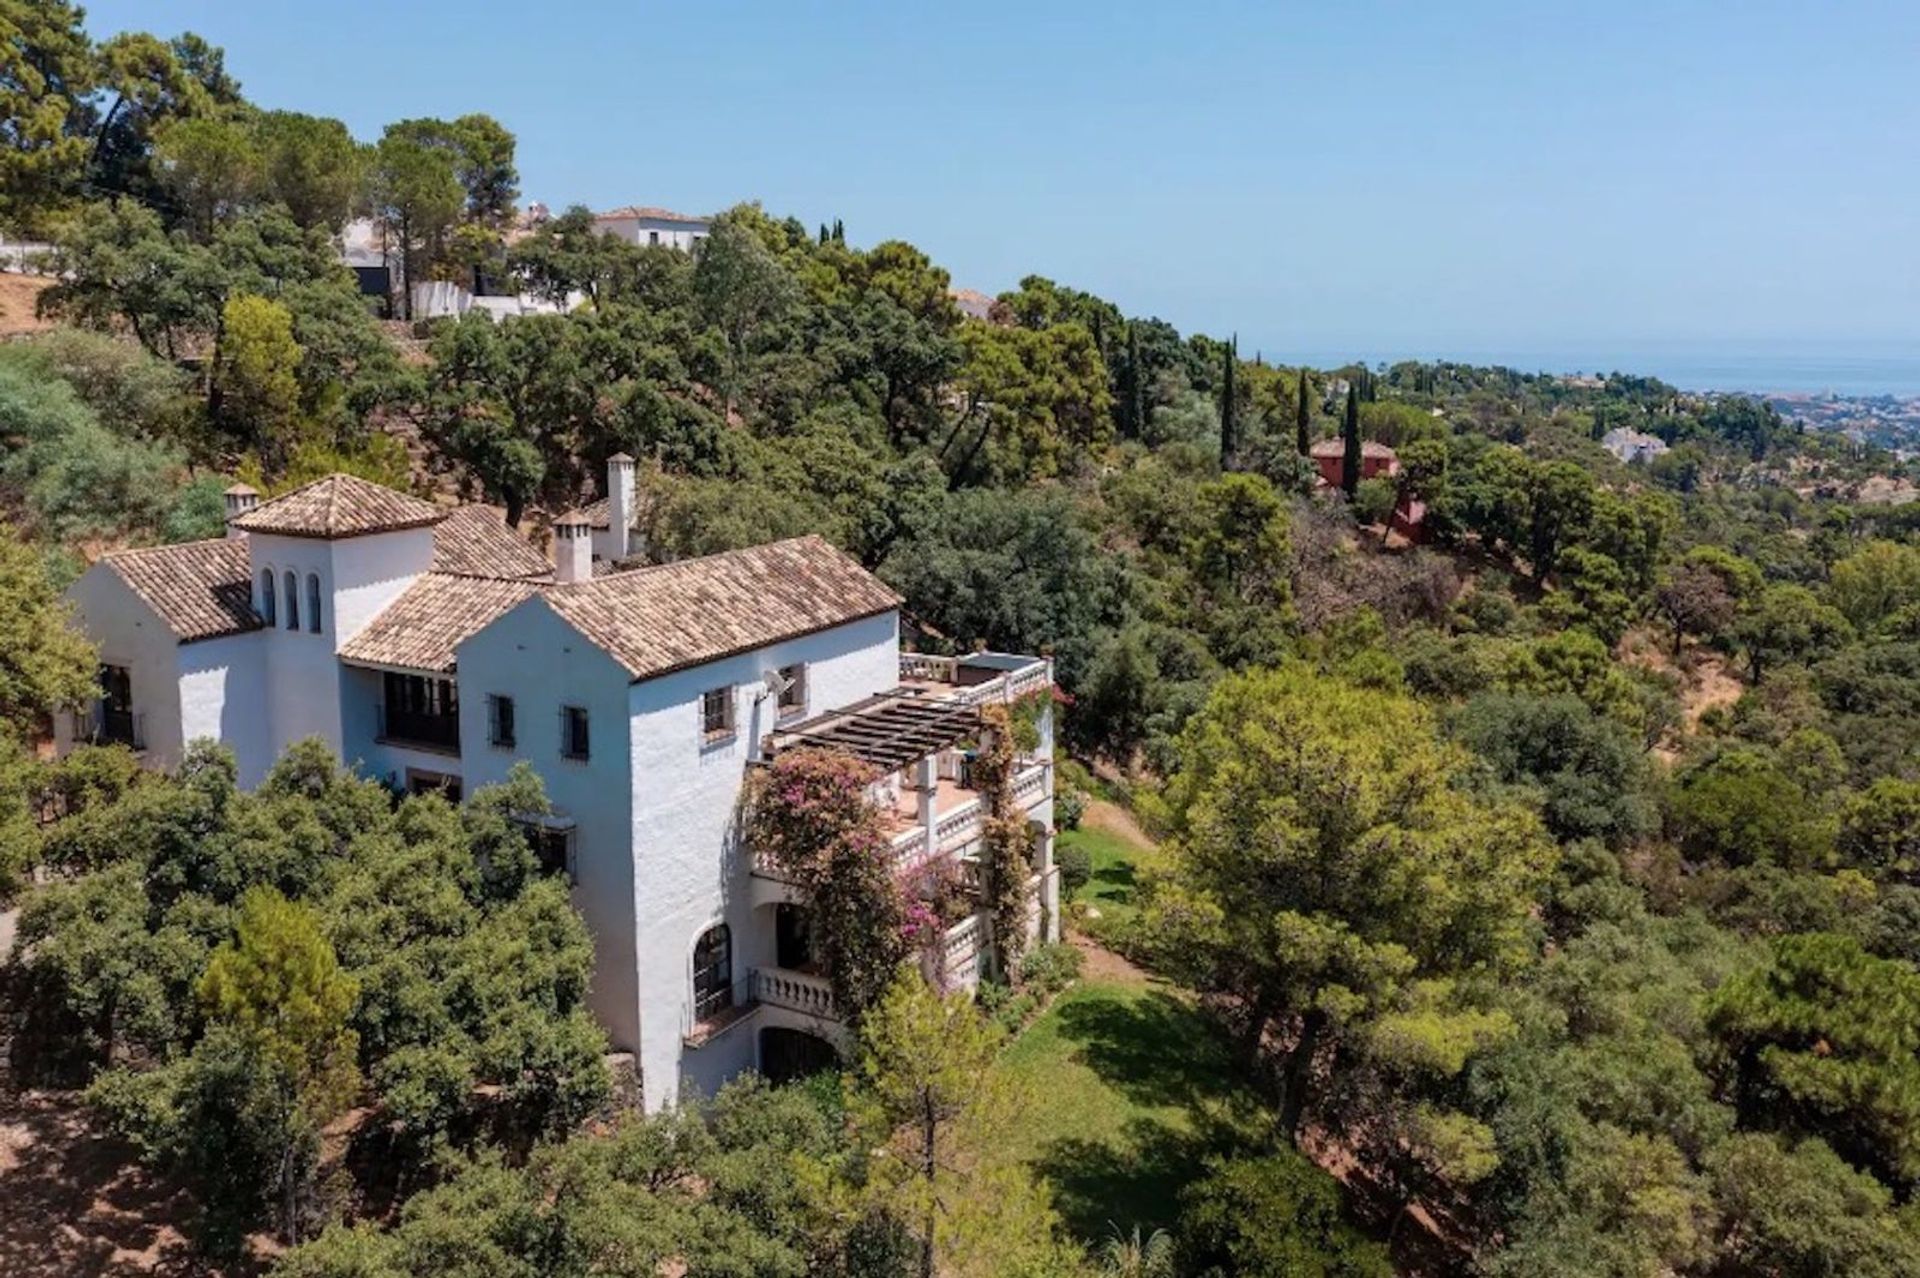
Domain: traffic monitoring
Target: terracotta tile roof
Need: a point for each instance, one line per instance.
(339, 506)
(597, 513)
(199, 588)
(647, 211)
(474, 541)
(1336, 448)
(665, 618)
(421, 629)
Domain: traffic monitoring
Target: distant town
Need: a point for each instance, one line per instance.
(1885, 421)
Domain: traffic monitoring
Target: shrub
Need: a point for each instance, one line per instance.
(1050, 968)
(1076, 867)
(1068, 807)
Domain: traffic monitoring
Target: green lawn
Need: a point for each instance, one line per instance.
(1132, 1088)
(1117, 864)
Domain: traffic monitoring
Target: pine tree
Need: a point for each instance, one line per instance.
(1136, 385)
(1229, 423)
(1350, 435)
(1303, 418)
(839, 231)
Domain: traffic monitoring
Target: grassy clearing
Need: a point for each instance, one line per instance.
(1117, 865)
(1133, 1087)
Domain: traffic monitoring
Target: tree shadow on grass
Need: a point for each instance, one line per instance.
(1115, 883)
(1157, 1052)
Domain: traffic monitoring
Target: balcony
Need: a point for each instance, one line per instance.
(957, 816)
(918, 738)
(804, 992)
(975, 679)
(801, 992)
(425, 730)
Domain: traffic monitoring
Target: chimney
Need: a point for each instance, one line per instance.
(572, 548)
(240, 499)
(620, 504)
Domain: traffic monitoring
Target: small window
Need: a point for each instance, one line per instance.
(716, 713)
(653, 237)
(500, 722)
(712, 972)
(293, 601)
(793, 690)
(267, 610)
(313, 602)
(573, 732)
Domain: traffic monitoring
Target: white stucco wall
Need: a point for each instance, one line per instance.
(362, 690)
(222, 685)
(359, 578)
(673, 234)
(543, 663)
(132, 635)
(689, 874)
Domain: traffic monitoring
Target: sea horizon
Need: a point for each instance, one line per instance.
(1787, 368)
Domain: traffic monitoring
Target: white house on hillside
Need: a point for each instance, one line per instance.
(646, 226)
(1632, 446)
(434, 648)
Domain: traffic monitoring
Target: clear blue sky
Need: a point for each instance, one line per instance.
(1351, 176)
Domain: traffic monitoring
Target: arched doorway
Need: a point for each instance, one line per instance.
(790, 1054)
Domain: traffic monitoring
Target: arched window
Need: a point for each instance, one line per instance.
(313, 602)
(712, 972)
(266, 595)
(293, 601)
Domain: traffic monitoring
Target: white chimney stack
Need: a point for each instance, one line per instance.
(241, 498)
(620, 504)
(572, 548)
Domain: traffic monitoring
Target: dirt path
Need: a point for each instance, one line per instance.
(1098, 963)
(74, 1202)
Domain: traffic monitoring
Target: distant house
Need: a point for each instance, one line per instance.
(1633, 445)
(972, 303)
(1377, 461)
(363, 247)
(647, 226)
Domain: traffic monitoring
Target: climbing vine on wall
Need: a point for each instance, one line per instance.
(1004, 840)
(808, 813)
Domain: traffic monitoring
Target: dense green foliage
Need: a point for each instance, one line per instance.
(1559, 872)
(226, 966)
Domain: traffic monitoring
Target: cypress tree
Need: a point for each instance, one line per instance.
(1229, 424)
(1302, 418)
(1136, 385)
(1350, 435)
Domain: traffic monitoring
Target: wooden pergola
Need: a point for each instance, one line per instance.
(888, 731)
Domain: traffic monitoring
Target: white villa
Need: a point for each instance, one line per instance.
(1632, 446)
(644, 226)
(434, 648)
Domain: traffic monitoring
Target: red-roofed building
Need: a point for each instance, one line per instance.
(1377, 461)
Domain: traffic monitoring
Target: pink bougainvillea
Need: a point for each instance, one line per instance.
(808, 813)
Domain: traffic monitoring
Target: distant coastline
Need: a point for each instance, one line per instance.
(1798, 370)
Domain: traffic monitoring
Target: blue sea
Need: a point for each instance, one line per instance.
(1807, 368)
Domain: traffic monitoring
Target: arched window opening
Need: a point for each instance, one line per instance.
(293, 601)
(313, 602)
(712, 972)
(266, 596)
